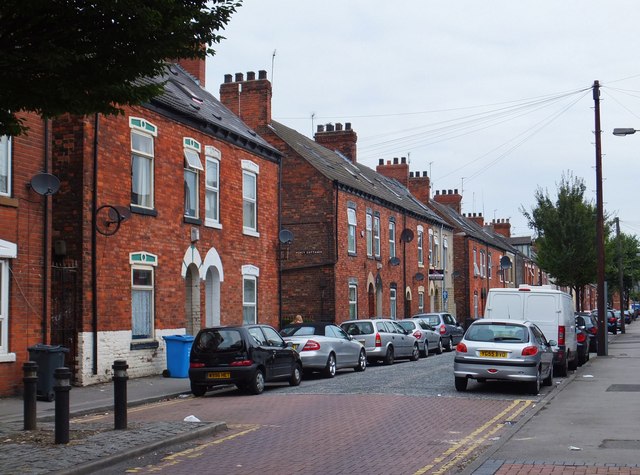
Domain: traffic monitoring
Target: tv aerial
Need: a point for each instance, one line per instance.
(45, 184)
(109, 218)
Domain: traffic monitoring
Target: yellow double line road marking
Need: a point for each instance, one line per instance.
(193, 452)
(468, 444)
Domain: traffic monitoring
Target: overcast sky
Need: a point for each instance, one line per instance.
(493, 98)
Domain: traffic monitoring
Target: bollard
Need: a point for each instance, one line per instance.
(120, 378)
(30, 380)
(61, 389)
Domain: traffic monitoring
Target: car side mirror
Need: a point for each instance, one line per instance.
(552, 343)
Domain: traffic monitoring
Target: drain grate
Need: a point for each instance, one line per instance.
(620, 444)
(624, 388)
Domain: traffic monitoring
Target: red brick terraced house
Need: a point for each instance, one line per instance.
(354, 240)
(186, 198)
(25, 222)
(478, 253)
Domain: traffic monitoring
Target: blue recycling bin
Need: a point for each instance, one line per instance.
(178, 349)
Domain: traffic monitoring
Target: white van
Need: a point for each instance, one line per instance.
(549, 308)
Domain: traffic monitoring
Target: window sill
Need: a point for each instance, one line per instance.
(146, 211)
(144, 345)
(212, 224)
(7, 358)
(191, 220)
(250, 232)
(6, 201)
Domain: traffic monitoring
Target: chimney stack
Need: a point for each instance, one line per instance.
(337, 138)
(250, 100)
(398, 170)
(452, 199)
(501, 226)
(420, 186)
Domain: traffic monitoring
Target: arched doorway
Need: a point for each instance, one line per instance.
(192, 300)
(212, 297)
(371, 297)
(407, 303)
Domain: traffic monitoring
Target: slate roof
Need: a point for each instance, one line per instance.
(185, 101)
(470, 228)
(355, 176)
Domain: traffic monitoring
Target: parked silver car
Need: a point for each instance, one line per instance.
(505, 350)
(444, 323)
(383, 339)
(325, 347)
(429, 340)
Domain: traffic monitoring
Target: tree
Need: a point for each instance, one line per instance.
(84, 57)
(630, 264)
(566, 234)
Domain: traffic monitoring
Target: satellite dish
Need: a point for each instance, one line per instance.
(45, 184)
(419, 276)
(505, 262)
(285, 236)
(119, 213)
(406, 235)
(394, 261)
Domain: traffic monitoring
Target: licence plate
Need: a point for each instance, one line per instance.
(493, 354)
(218, 375)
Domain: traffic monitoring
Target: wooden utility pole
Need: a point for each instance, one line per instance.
(602, 309)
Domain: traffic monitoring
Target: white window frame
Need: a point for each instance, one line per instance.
(212, 217)
(476, 269)
(353, 301)
(393, 304)
(250, 273)
(5, 164)
(143, 261)
(250, 170)
(420, 246)
(431, 260)
(376, 235)
(489, 266)
(392, 239)
(445, 254)
(421, 301)
(192, 169)
(369, 233)
(436, 251)
(8, 251)
(483, 264)
(351, 230)
(146, 130)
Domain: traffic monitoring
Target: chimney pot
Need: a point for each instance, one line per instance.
(395, 160)
(381, 161)
(410, 174)
(347, 126)
(228, 78)
(239, 77)
(251, 76)
(329, 127)
(450, 192)
(437, 192)
(456, 191)
(424, 174)
(338, 126)
(320, 128)
(403, 159)
(262, 74)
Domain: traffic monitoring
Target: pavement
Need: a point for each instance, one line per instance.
(587, 425)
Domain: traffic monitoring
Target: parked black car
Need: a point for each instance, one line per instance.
(582, 343)
(248, 356)
(590, 324)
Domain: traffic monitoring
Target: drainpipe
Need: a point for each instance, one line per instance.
(45, 240)
(404, 268)
(279, 243)
(94, 273)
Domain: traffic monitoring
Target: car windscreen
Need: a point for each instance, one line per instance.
(298, 331)
(218, 340)
(497, 332)
(357, 328)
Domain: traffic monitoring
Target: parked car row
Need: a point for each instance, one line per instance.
(250, 356)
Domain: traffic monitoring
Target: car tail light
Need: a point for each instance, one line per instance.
(560, 334)
(442, 330)
(311, 345)
(242, 363)
(581, 337)
(417, 334)
(196, 365)
(378, 340)
(461, 348)
(593, 330)
(530, 351)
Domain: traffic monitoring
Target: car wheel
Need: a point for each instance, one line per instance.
(439, 348)
(461, 384)
(296, 375)
(451, 346)
(415, 354)
(573, 364)
(256, 386)
(548, 381)
(330, 369)
(362, 361)
(533, 387)
(198, 391)
(562, 369)
(426, 349)
(389, 358)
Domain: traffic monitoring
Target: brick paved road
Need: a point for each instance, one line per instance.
(321, 433)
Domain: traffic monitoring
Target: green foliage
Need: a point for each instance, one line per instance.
(566, 233)
(630, 247)
(84, 57)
